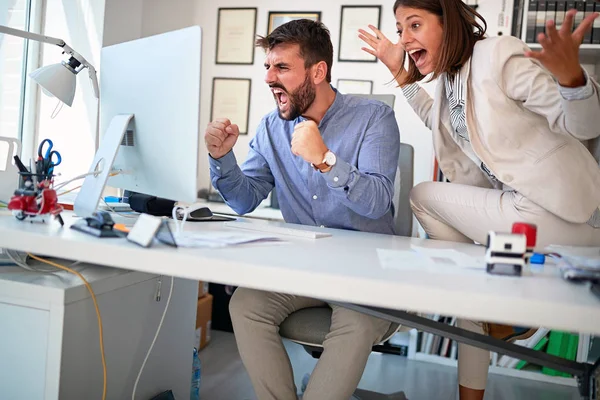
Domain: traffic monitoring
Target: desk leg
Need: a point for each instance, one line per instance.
(584, 373)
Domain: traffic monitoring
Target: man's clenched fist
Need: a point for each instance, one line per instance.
(220, 136)
(308, 143)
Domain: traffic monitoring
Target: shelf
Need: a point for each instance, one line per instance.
(588, 53)
(532, 375)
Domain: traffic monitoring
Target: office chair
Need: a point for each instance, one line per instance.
(309, 326)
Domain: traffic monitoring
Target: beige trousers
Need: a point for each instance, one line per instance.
(256, 316)
(463, 213)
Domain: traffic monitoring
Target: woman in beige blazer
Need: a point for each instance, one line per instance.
(513, 131)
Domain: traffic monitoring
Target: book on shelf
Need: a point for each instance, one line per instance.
(531, 342)
(589, 10)
(540, 20)
(596, 26)
(538, 347)
(564, 345)
(531, 20)
(517, 18)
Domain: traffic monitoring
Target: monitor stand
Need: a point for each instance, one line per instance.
(91, 191)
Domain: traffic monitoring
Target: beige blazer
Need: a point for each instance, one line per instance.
(522, 129)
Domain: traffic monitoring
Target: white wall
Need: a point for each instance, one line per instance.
(126, 19)
(411, 128)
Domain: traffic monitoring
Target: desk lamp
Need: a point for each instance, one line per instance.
(57, 80)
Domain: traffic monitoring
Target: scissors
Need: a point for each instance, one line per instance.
(49, 160)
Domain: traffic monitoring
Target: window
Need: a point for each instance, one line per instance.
(13, 52)
(72, 129)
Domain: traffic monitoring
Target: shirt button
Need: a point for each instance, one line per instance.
(218, 168)
(315, 197)
(336, 179)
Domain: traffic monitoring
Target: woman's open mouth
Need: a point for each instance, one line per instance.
(419, 56)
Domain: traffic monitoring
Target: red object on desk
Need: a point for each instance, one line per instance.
(529, 230)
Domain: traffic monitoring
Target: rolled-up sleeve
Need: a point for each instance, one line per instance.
(243, 189)
(368, 188)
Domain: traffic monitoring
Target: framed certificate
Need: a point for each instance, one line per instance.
(236, 30)
(231, 99)
(354, 18)
(354, 86)
(277, 18)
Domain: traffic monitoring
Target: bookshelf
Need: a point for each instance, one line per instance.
(536, 13)
(417, 340)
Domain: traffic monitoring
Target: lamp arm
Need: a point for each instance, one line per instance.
(94, 78)
(33, 36)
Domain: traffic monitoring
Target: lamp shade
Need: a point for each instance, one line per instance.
(56, 80)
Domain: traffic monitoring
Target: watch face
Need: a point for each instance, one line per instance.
(330, 158)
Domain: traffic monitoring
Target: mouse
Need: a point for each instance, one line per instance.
(200, 213)
(197, 212)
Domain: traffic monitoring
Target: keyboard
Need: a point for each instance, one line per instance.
(279, 230)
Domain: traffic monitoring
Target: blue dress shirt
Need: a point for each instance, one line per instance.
(355, 194)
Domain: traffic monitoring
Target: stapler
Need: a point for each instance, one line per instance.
(100, 224)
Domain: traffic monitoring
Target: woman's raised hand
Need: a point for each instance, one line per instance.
(560, 49)
(390, 54)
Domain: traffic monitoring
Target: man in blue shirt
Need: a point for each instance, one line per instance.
(333, 159)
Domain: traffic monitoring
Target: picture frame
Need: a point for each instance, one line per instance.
(236, 32)
(353, 18)
(277, 18)
(354, 86)
(231, 99)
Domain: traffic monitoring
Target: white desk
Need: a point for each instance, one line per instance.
(344, 267)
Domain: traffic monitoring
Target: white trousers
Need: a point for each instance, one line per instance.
(462, 213)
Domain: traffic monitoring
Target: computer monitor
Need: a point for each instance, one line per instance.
(157, 81)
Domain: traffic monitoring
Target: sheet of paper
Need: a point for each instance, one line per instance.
(431, 260)
(221, 239)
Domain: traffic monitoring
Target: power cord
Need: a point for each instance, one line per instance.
(137, 379)
(89, 288)
(180, 224)
(116, 212)
(20, 259)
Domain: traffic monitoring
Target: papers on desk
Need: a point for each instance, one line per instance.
(421, 259)
(211, 239)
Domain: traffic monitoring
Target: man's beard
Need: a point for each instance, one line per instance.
(299, 100)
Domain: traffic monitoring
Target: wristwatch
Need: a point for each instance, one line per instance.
(328, 162)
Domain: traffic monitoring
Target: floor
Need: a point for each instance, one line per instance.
(224, 376)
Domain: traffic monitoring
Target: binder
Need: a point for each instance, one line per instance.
(551, 11)
(517, 23)
(589, 10)
(540, 22)
(531, 18)
(596, 26)
(563, 345)
(539, 346)
(570, 6)
(561, 9)
(580, 6)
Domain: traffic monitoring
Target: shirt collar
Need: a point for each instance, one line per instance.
(455, 86)
(337, 104)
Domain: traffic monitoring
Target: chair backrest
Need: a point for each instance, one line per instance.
(388, 99)
(403, 217)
